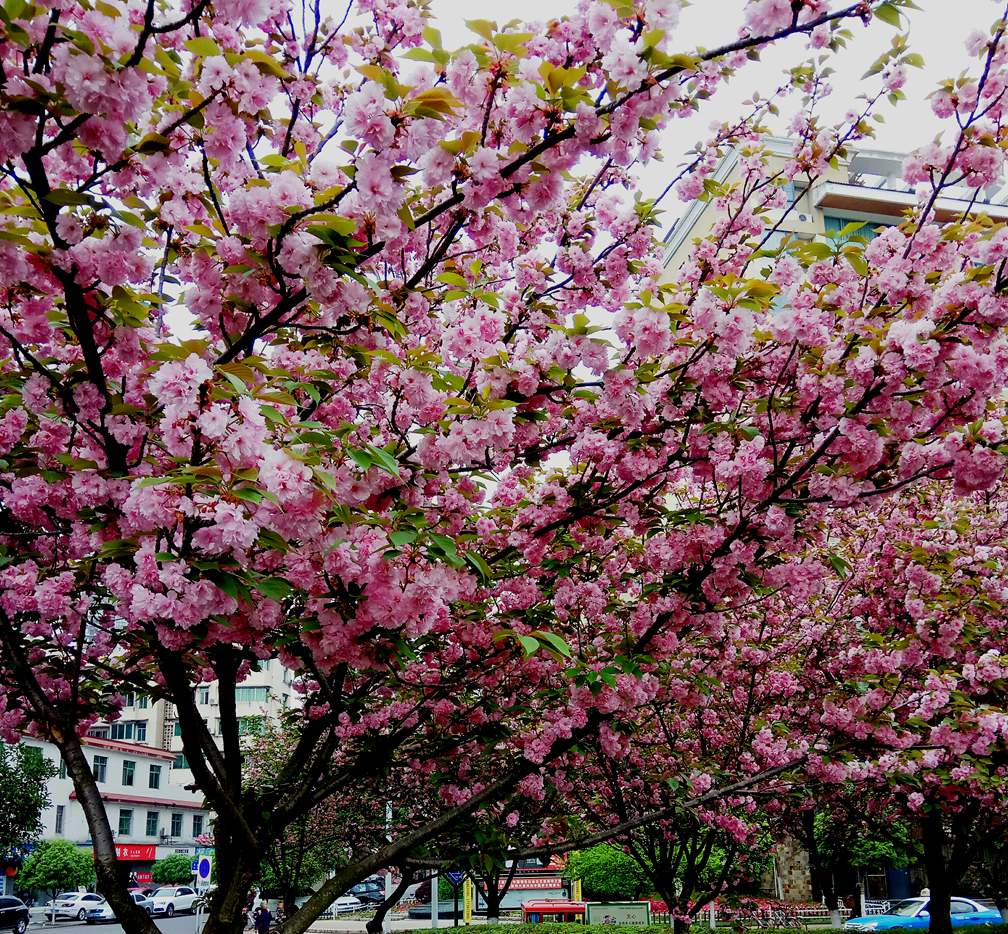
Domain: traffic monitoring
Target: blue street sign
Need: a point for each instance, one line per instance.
(454, 877)
(194, 866)
(204, 868)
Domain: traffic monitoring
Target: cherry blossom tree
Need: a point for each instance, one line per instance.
(923, 705)
(325, 343)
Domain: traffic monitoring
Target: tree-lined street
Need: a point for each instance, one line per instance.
(327, 347)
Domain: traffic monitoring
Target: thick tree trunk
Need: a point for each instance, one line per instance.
(680, 925)
(238, 867)
(822, 880)
(493, 902)
(375, 925)
(939, 874)
(111, 874)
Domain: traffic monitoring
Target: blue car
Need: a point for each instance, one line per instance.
(913, 913)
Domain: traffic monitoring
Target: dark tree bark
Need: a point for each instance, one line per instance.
(493, 886)
(939, 876)
(374, 926)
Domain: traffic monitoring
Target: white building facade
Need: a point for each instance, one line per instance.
(151, 814)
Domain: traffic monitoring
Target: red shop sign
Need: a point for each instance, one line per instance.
(136, 851)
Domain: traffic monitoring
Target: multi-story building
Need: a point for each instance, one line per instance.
(868, 187)
(142, 772)
(151, 814)
(265, 694)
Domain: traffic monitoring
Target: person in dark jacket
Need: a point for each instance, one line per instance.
(262, 919)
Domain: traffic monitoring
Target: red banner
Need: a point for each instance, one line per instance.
(136, 851)
(540, 883)
(142, 878)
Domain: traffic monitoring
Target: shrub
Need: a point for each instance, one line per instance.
(172, 870)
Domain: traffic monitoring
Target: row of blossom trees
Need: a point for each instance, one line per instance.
(325, 343)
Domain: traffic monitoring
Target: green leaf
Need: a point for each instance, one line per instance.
(361, 458)
(273, 587)
(203, 45)
(529, 644)
(888, 14)
(236, 382)
(839, 564)
(63, 196)
(384, 459)
(403, 537)
(479, 564)
(482, 27)
(453, 278)
(444, 543)
(553, 641)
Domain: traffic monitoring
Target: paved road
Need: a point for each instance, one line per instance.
(180, 924)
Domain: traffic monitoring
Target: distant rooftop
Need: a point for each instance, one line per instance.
(875, 185)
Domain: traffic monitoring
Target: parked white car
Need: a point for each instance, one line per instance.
(171, 899)
(75, 904)
(104, 912)
(346, 904)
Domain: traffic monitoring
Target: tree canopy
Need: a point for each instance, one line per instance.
(172, 870)
(608, 874)
(55, 865)
(324, 343)
(24, 795)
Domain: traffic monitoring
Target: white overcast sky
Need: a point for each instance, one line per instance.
(938, 31)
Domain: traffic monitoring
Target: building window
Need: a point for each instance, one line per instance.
(60, 811)
(152, 823)
(178, 728)
(203, 695)
(142, 702)
(868, 230)
(129, 730)
(197, 824)
(125, 822)
(129, 770)
(154, 781)
(790, 193)
(129, 699)
(176, 825)
(100, 769)
(62, 769)
(181, 762)
(99, 731)
(247, 695)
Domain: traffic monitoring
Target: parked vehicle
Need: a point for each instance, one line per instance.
(169, 900)
(913, 913)
(105, 913)
(74, 904)
(347, 904)
(369, 892)
(14, 914)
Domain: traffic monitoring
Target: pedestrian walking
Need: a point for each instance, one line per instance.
(262, 919)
